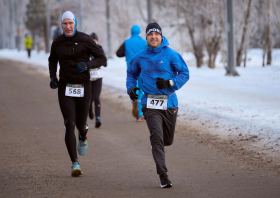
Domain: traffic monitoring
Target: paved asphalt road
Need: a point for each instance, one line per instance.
(35, 163)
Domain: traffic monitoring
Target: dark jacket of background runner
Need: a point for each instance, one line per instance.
(92, 57)
(70, 51)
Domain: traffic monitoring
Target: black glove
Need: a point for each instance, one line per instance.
(132, 93)
(81, 67)
(54, 83)
(161, 83)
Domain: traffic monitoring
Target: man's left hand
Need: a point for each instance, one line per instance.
(162, 84)
(81, 67)
(132, 93)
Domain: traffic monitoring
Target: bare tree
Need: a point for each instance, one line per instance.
(261, 37)
(196, 26)
(213, 27)
(244, 34)
(192, 22)
(139, 6)
(172, 20)
(276, 13)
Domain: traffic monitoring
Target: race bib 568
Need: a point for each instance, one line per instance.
(74, 90)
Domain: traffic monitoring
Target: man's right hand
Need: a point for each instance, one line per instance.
(54, 83)
(132, 93)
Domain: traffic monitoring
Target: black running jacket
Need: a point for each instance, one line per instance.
(69, 51)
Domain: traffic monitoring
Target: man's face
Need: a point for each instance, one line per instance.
(68, 27)
(154, 39)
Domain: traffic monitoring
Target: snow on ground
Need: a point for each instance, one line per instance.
(245, 106)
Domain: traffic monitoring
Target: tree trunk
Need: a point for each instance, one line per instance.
(197, 48)
(245, 58)
(243, 40)
(213, 47)
(264, 52)
(199, 60)
(239, 57)
(199, 54)
(268, 40)
(211, 61)
(269, 52)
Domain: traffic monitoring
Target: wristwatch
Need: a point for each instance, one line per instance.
(171, 82)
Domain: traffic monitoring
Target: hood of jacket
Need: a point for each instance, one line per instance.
(135, 30)
(69, 13)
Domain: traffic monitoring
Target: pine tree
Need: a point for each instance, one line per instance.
(35, 16)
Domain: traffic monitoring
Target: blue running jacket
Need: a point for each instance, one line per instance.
(162, 62)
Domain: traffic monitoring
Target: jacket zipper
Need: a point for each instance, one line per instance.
(72, 54)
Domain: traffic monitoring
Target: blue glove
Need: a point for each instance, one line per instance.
(81, 67)
(54, 83)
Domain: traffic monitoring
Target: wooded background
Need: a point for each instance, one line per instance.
(197, 26)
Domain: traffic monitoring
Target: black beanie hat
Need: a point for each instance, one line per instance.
(153, 27)
(93, 36)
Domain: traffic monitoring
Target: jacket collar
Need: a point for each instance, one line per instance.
(76, 33)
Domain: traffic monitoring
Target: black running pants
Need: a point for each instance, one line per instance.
(96, 87)
(28, 53)
(161, 124)
(75, 112)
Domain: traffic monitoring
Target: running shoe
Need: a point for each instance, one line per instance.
(90, 113)
(165, 182)
(135, 111)
(82, 147)
(140, 119)
(97, 124)
(76, 169)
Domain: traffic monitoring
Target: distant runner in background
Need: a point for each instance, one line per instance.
(129, 48)
(57, 32)
(96, 76)
(72, 50)
(28, 41)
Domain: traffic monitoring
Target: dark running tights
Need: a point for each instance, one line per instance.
(96, 87)
(29, 52)
(75, 112)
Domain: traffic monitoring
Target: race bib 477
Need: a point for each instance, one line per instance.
(157, 101)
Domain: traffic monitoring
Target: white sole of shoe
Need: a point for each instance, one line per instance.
(166, 186)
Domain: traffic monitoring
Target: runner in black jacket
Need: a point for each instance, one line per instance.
(69, 51)
(72, 50)
(96, 85)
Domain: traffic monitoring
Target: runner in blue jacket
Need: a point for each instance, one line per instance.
(129, 48)
(163, 71)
